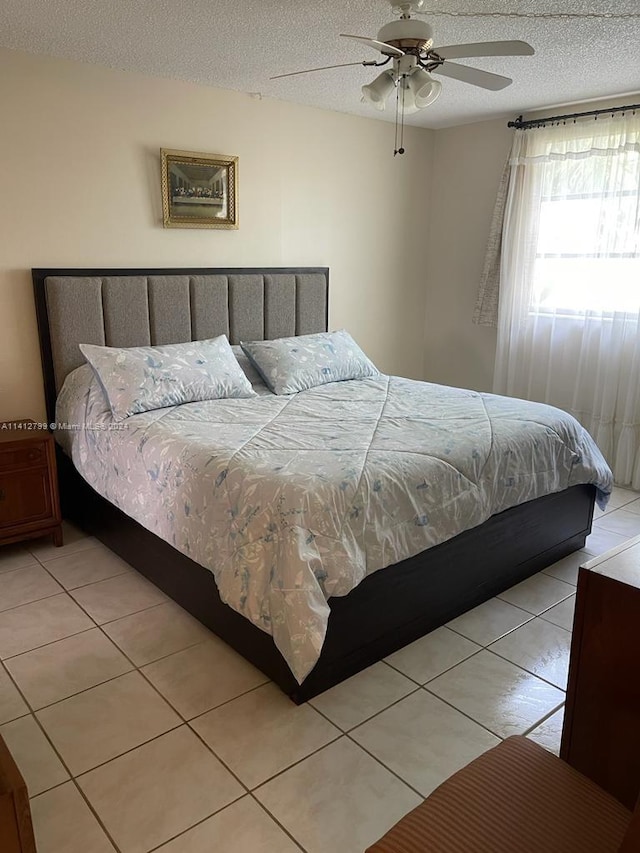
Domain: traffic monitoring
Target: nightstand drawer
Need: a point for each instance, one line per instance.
(34, 454)
(29, 505)
(25, 497)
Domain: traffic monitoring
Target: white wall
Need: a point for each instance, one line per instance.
(468, 162)
(79, 165)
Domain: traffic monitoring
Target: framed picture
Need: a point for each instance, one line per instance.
(199, 190)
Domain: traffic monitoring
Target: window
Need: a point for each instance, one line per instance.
(587, 257)
(569, 322)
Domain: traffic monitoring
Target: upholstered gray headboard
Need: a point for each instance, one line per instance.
(126, 308)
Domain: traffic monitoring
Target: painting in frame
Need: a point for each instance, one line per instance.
(199, 190)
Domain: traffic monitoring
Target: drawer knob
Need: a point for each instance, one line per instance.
(2, 494)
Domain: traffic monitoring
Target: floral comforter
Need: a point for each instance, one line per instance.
(291, 500)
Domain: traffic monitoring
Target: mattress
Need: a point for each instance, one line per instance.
(291, 500)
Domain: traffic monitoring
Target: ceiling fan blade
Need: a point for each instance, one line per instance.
(311, 70)
(376, 45)
(485, 48)
(473, 75)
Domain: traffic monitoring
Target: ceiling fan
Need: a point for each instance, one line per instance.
(407, 43)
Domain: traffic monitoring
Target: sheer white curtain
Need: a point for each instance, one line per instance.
(569, 317)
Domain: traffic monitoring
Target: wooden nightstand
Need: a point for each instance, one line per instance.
(29, 504)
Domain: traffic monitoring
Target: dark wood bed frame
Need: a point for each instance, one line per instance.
(389, 609)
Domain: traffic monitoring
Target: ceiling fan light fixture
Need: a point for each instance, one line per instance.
(424, 88)
(376, 93)
(408, 105)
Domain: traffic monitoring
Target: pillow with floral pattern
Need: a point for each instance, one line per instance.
(139, 379)
(294, 364)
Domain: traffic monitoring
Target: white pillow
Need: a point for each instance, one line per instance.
(139, 379)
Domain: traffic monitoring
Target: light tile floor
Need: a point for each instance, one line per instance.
(137, 730)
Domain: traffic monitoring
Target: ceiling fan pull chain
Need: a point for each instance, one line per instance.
(399, 149)
(395, 142)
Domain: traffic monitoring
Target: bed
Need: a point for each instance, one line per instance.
(385, 609)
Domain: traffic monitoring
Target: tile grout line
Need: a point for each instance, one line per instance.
(99, 625)
(341, 734)
(33, 565)
(572, 587)
(95, 814)
(448, 669)
(154, 607)
(63, 591)
(347, 734)
(44, 645)
(57, 556)
(273, 776)
(97, 546)
(134, 668)
(251, 791)
(248, 791)
(217, 812)
(425, 686)
(130, 570)
(382, 764)
(501, 637)
(244, 794)
(562, 601)
(32, 600)
(91, 583)
(36, 565)
(68, 593)
(465, 714)
(71, 778)
(275, 819)
(221, 705)
(50, 643)
(528, 671)
(544, 719)
(415, 687)
(109, 621)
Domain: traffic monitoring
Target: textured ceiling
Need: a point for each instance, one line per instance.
(240, 45)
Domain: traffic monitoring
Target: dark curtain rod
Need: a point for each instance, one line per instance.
(520, 124)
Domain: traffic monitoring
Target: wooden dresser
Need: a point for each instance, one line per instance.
(601, 734)
(29, 504)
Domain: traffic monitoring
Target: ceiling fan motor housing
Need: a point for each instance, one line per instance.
(408, 35)
(406, 7)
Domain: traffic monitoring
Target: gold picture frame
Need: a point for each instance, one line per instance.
(199, 190)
